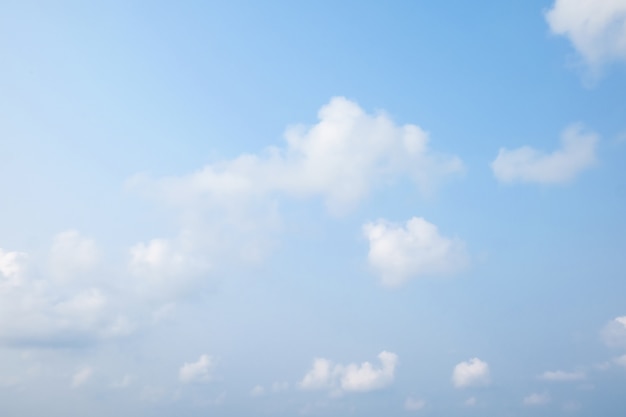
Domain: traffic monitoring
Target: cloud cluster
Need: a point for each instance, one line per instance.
(596, 28)
(337, 378)
(472, 373)
(529, 165)
(197, 372)
(63, 304)
(398, 253)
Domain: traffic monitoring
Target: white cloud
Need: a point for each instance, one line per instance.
(341, 158)
(199, 371)
(363, 377)
(399, 253)
(81, 377)
(529, 165)
(596, 28)
(471, 373)
(614, 333)
(412, 404)
(229, 209)
(536, 399)
(72, 255)
(37, 309)
(12, 267)
(562, 376)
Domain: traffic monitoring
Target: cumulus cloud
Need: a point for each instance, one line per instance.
(536, 399)
(340, 159)
(325, 375)
(470, 402)
(230, 209)
(614, 333)
(471, 373)
(529, 165)
(398, 253)
(596, 28)
(196, 372)
(562, 376)
(412, 404)
(81, 377)
(38, 309)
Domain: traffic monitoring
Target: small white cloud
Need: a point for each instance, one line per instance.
(72, 255)
(596, 28)
(536, 399)
(561, 376)
(528, 165)
(363, 377)
(199, 371)
(81, 377)
(470, 402)
(471, 373)
(257, 391)
(614, 333)
(399, 253)
(412, 404)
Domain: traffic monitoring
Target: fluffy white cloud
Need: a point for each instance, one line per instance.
(351, 378)
(596, 28)
(38, 310)
(399, 253)
(529, 165)
(72, 255)
(229, 210)
(199, 371)
(536, 399)
(614, 333)
(412, 404)
(471, 373)
(562, 376)
(81, 377)
(341, 158)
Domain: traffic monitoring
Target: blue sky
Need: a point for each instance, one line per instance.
(329, 208)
